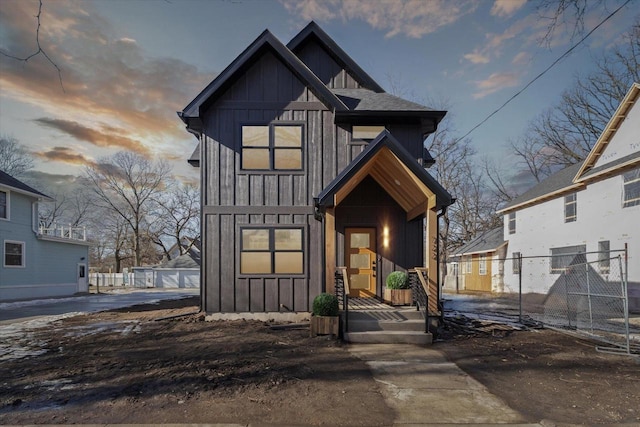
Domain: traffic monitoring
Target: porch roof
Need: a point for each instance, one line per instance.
(391, 166)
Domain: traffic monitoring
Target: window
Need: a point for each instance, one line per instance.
(271, 251)
(631, 188)
(482, 265)
(512, 222)
(516, 262)
(4, 205)
(13, 254)
(365, 133)
(604, 257)
(467, 265)
(272, 147)
(570, 207)
(563, 257)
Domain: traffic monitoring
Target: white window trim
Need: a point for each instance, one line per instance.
(8, 218)
(24, 254)
(482, 265)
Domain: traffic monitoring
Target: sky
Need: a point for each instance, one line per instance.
(127, 66)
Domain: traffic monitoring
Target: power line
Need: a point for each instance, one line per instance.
(564, 55)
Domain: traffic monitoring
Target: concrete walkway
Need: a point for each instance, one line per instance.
(425, 389)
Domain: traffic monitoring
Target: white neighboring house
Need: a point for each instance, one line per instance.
(593, 206)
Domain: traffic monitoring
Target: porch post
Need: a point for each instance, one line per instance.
(431, 261)
(330, 249)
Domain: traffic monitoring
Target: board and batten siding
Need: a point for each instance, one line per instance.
(325, 67)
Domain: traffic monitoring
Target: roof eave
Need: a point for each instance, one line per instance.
(542, 198)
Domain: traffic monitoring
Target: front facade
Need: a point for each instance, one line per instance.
(36, 263)
(307, 165)
(591, 207)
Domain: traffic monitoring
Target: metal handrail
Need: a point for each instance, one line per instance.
(420, 293)
(342, 292)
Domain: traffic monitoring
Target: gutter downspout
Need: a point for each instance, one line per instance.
(318, 214)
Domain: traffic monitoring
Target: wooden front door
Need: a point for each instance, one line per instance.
(360, 254)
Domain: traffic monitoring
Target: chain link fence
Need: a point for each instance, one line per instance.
(586, 293)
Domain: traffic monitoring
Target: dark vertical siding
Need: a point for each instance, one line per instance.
(325, 67)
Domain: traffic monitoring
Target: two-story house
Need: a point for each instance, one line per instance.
(592, 207)
(37, 262)
(307, 164)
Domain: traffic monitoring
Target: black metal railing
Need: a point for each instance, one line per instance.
(342, 293)
(420, 295)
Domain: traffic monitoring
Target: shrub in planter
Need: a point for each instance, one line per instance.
(325, 320)
(397, 280)
(397, 291)
(325, 305)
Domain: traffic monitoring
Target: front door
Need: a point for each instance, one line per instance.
(360, 254)
(82, 278)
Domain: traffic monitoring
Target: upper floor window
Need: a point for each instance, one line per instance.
(271, 251)
(272, 147)
(13, 254)
(512, 222)
(570, 207)
(631, 188)
(4, 205)
(365, 133)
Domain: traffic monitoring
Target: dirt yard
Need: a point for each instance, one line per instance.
(126, 366)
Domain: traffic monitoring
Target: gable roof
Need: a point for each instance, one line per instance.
(489, 241)
(397, 164)
(265, 41)
(559, 183)
(313, 32)
(20, 187)
(609, 131)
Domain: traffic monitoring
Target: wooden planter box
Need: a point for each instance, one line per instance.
(325, 325)
(397, 296)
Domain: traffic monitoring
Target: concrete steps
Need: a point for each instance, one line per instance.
(392, 326)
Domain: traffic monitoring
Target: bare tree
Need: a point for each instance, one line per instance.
(564, 134)
(177, 217)
(126, 184)
(14, 158)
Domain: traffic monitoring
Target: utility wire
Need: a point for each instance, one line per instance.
(564, 55)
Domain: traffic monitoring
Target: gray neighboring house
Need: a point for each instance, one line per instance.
(37, 262)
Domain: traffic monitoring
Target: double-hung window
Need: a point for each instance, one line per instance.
(482, 265)
(272, 147)
(512, 222)
(570, 207)
(631, 188)
(4, 204)
(364, 134)
(271, 251)
(14, 254)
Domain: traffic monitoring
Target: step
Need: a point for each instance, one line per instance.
(389, 337)
(364, 325)
(388, 315)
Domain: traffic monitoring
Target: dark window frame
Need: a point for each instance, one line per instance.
(272, 148)
(23, 255)
(5, 206)
(363, 141)
(272, 251)
(511, 222)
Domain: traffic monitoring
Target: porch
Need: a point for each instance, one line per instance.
(370, 320)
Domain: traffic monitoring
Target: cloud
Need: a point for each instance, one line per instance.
(65, 155)
(522, 58)
(506, 8)
(108, 78)
(413, 18)
(494, 83)
(477, 58)
(107, 136)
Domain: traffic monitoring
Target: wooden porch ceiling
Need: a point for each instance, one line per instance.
(396, 179)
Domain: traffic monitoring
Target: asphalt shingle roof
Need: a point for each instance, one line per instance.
(368, 100)
(486, 242)
(612, 164)
(9, 181)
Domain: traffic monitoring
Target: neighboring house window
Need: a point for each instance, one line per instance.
(604, 257)
(271, 251)
(272, 147)
(516, 262)
(561, 258)
(482, 265)
(570, 207)
(512, 223)
(365, 133)
(631, 188)
(4, 205)
(467, 265)
(13, 254)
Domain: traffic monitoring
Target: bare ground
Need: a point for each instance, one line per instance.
(125, 366)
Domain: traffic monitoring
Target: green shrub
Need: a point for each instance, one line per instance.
(325, 305)
(397, 280)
